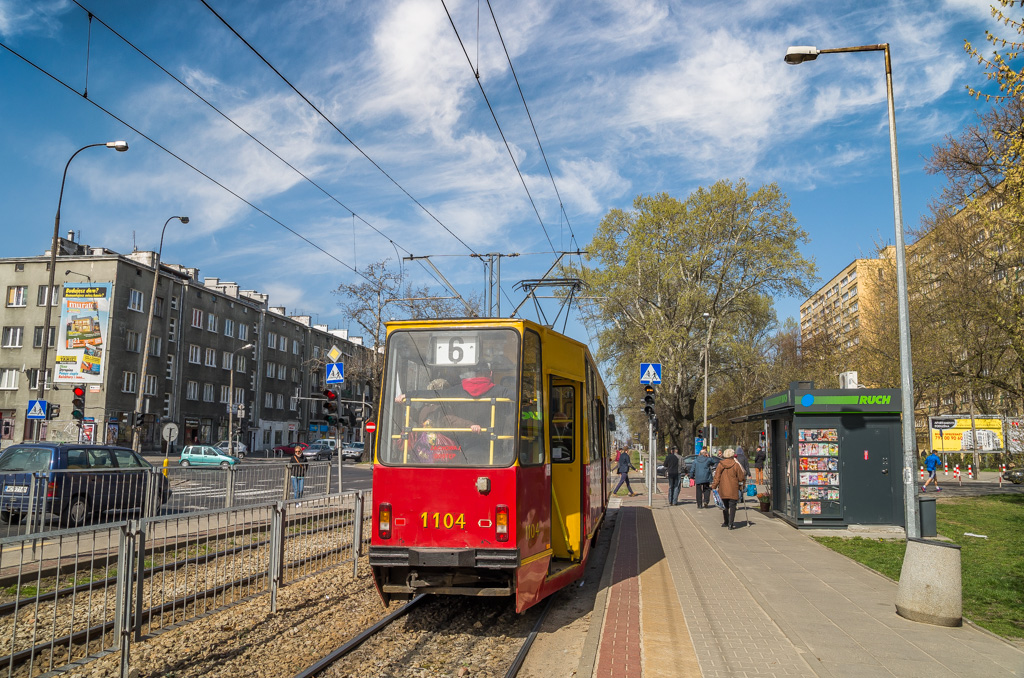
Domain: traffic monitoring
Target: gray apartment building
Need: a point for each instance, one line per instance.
(208, 337)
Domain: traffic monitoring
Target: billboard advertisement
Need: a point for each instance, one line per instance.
(1015, 435)
(83, 333)
(955, 433)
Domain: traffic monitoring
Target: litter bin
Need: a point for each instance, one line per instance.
(926, 514)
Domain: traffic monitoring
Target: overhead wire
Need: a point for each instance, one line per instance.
(228, 118)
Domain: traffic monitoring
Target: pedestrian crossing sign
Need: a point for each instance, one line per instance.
(650, 373)
(36, 409)
(335, 373)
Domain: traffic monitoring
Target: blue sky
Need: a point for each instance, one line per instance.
(628, 97)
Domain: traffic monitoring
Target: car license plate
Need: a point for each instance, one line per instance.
(15, 489)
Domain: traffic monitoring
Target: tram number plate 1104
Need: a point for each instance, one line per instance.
(455, 349)
(445, 520)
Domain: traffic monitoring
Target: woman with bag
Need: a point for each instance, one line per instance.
(728, 480)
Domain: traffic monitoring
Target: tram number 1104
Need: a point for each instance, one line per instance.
(445, 520)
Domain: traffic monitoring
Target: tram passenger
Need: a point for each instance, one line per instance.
(476, 415)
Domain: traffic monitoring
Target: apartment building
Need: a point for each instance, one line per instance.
(212, 343)
(835, 311)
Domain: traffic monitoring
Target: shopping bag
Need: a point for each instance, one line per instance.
(751, 490)
(718, 499)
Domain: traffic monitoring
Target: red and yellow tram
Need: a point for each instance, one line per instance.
(490, 465)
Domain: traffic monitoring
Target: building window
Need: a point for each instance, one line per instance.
(150, 387)
(240, 363)
(208, 393)
(211, 323)
(271, 340)
(295, 346)
(135, 300)
(229, 327)
(316, 352)
(172, 325)
(170, 366)
(211, 357)
(270, 370)
(37, 337)
(128, 382)
(268, 400)
(12, 337)
(282, 345)
(155, 346)
(225, 391)
(158, 307)
(16, 295)
(243, 331)
(280, 401)
(282, 372)
(174, 303)
(197, 318)
(8, 379)
(193, 354)
(225, 360)
(131, 341)
(41, 295)
(192, 391)
(239, 394)
(295, 375)
(33, 379)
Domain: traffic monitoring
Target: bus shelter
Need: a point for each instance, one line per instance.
(835, 456)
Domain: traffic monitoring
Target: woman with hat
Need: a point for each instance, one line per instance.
(728, 480)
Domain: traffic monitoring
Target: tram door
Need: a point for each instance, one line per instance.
(566, 514)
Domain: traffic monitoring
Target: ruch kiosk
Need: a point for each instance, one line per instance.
(835, 456)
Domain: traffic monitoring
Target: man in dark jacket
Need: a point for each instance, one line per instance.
(672, 470)
(703, 472)
(625, 463)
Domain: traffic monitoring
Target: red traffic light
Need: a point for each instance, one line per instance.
(330, 395)
(78, 391)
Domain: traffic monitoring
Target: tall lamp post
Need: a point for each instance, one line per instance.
(707, 350)
(120, 146)
(797, 55)
(141, 386)
(231, 398)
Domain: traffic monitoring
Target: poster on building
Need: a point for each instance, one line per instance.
(1015, 435)
(956, 433)
(83, 333)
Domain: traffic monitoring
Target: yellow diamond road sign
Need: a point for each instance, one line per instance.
(334, 354)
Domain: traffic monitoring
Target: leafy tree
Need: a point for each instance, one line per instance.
(725, 251)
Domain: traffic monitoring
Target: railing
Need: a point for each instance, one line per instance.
(69, 595)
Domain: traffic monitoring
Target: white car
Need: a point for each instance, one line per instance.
(353, 451)
(326, 442)
(240, 449)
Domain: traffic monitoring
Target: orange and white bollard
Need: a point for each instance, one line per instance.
(922, 473)
(970, 472)
(956, 475)
(945, 469)
(641, 464)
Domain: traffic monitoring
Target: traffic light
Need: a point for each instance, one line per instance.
(331, 407)
(52, 410)
(78, 403)
(700, 432)
(649, 400)
(138, 419)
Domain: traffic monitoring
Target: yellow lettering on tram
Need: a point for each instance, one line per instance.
(447, 520)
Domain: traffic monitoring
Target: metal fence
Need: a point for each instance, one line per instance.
(69, 595)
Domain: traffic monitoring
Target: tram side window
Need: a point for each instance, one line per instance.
(563, 423)
(531, 425)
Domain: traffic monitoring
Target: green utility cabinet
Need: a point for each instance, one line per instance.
(835, 456)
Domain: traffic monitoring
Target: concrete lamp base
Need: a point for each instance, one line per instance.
(930, 588)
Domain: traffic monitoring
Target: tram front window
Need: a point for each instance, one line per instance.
(450, 398)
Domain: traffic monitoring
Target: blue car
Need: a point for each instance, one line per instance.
(77, 482)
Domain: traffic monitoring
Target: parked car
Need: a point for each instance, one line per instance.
(329, 442)
(76, 482)
(240, 448)
(685, 466)
(206, 455)
(1014, 475)
(318, 450)
(286, 449)
(353, 451)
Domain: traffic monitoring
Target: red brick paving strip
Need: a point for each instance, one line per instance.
(619, 652)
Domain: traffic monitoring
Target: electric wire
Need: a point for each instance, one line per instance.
(501, 132)
(228, 118)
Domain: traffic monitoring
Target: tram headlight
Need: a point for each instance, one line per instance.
(384, 521)
(501, 523)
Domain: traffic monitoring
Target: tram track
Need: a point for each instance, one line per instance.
(491, 621)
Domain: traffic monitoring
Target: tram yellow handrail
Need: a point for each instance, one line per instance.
(456, 400)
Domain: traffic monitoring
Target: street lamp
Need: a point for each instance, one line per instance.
(120, 146)
(231, 398)
(69, 272)
(796, 55)
(141, 386)
(707, 349)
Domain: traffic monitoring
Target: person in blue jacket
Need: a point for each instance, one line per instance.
(703, 472)
(625, 463)
(931, 464)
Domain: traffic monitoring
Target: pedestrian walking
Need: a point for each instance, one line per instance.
(625, 464)
(741, 458)
(672, 470)
(703, 473)
(728, 480)
(759, 458)
(297, 469)
(931, 464)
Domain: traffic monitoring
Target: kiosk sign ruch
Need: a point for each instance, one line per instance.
(955, 433)
(83, 333)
